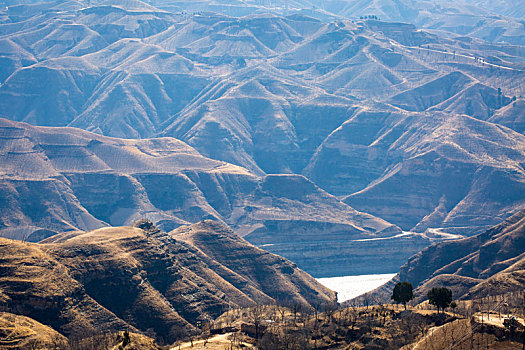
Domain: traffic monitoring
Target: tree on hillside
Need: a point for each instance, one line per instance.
(403, 293)
(440, 297)
(256, 317)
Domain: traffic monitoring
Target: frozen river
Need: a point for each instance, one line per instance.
(348, 287)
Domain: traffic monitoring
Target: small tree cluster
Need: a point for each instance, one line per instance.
(440, 297)
(369, 17)
(403, 293)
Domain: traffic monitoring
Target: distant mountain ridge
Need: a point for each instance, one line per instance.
(495, 21)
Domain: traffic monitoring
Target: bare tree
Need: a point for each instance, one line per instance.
(256, 315)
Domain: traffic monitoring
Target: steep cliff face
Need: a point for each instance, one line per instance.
(125, 277)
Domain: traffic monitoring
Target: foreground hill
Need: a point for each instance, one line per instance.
(385, 327)
(491, 263)
(144, 280)
(20, 332)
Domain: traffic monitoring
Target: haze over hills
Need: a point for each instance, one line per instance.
(424, 170)
(495, 21)
(280, 94)
(128, 278)
(345, 136)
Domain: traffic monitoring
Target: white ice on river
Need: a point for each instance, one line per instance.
(348, 287)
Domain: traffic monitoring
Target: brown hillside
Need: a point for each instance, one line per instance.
(490, 263)
(36, 284)
(120, 278)
(484, 257)
(268, 272)
(20, 332)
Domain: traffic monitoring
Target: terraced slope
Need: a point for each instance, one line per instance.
(60, 179)
(299, 115)
(424, 170)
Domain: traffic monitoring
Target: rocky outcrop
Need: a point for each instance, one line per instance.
(480, 256)
(35, 284)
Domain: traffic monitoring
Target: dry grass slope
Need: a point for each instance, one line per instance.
(113, 279)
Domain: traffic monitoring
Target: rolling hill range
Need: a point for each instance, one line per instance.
(67, 179)
(280, 94)
(495, 21)
(316, 137)
(142, 279)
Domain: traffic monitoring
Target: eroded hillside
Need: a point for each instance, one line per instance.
(61, 179)
(345, 144)
(491, 263)
(127, 278)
